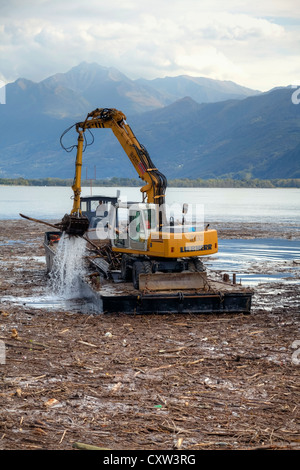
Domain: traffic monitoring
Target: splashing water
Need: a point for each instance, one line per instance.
(68, 267)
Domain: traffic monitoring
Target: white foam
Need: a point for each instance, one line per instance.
(68, 267)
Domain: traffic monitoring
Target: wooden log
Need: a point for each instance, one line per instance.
(39, 221)
(82, 446)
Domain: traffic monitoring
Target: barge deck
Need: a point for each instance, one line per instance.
(112, 295)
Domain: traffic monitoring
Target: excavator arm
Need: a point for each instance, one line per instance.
(155, 182)
(146, 249)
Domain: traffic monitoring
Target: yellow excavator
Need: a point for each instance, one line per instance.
(151, 244)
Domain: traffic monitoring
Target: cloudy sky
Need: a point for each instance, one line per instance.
(255, 43)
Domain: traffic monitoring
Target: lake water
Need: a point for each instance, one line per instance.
(274, 205)
(241, 205)
(256, 261)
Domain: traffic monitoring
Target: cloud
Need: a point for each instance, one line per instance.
(239, 27)
(247, 42)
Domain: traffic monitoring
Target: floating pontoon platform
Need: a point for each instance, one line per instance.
(116, 296)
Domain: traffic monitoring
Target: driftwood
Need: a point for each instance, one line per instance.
(143, 382)
(82, 446)
(39, 221)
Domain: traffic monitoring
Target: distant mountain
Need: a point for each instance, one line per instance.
(248, 136)
(257, 137)
(200, 89)
(48, 98)
(106, 87)
(89, 86)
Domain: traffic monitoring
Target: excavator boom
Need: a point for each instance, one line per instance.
(155, 181)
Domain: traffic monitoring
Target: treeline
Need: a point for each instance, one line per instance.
(68, 182)
(175, 183)
(233, 183)
(35, 182)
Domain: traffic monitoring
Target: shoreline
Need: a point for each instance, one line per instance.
(230, 183)
(235, 230)
(226, 230)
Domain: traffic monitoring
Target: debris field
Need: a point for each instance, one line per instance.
(142, 382)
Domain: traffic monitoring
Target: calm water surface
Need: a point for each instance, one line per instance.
(274, 205)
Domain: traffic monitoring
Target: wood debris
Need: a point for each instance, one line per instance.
(182, 382)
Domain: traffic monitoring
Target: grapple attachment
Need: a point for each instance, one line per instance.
(74, 224)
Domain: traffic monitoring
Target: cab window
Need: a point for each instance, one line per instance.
(136, 227)
(150, 219)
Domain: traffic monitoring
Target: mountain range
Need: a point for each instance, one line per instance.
(193, 127)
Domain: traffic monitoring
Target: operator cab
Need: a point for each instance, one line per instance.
(97, 209)
(133, 224)
(90, 204)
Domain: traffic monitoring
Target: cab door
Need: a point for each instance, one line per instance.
(138, 233)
